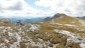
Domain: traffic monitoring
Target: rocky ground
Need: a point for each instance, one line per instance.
(45, 34)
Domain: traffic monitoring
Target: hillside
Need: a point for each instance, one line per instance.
(60, 31)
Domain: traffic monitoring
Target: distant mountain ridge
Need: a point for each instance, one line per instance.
(39, 19)
(14, 19)
(82, 17)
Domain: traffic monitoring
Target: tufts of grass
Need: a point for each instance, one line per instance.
(73, 45)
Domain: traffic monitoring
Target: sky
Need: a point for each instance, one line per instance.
(41, 8)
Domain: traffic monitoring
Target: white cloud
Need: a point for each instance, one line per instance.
(21, 8)
(17, 8)
(70, 7)
(7, 3)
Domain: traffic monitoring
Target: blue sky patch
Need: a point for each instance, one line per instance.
(32, 4)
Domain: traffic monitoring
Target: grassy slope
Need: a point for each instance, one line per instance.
(47, 28)
(65, 21)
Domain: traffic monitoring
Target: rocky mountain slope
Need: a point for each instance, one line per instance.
(60, 31)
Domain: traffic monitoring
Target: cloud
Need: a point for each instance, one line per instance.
(69, 7)
(7, 3)
(21, 8)
(17, 8)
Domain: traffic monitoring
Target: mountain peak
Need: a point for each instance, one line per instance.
(58, 15)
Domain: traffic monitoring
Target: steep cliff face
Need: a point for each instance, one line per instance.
(61, 31)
